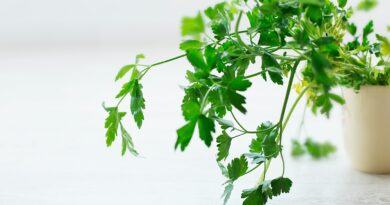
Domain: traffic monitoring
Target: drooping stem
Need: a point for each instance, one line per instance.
(281, 125)
(294, 106)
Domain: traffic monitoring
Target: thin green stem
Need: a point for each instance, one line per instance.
(301, 94)
(254, 74)
(238, 123)
(239, 39)
(279, 138)
(159, 63)
(204, 100)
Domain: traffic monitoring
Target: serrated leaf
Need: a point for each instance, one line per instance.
(190, 44)
(281, 185)
(137, 103)
(237, 100)
(320, 64)
(184, 135)
(210, 54)
(112, 123)
(314, 13)
(195, 57)
(126, 89)
(127, 142)
(223, 169)
(257, 158)
(227, 193)
(319, 150)
(123, 71)
(269, 38)
(297, 149)
(271, 65)
(254, 196)
(224, 142)
(367, 30)
(237, 168)
(192, 26)
(191, 110)
(240, 84)
(206, 128)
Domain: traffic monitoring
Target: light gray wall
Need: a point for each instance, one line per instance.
(112, 21)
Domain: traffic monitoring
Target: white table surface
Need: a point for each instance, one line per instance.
(52, 144)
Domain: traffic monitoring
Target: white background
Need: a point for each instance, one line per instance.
(57, 64)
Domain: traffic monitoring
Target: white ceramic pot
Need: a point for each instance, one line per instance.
(367, 128)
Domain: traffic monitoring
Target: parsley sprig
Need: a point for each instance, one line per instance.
(285, 39)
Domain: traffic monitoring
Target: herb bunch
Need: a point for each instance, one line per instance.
(284, 39)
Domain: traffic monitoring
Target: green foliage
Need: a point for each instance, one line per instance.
(224, 141)
(193, 26)
(112, 123)
(287, 38)
(315, 149)
(367, 5)
(267, 190)
(237, 168)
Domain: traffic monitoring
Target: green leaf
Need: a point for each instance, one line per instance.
(224, 123)
(137, 103)
(123, 71)
(320, 64)
(112, 123)
(190, 44)
(220, 29)
(138, 57)
(351, 27)
(237, 168)
(319, 150)
(240, 84)
(271, 65)
(191, 110)
(270, 148)
(236, 100)
(126, 89)
(327, 45)
(224, 141)
(206, 127)
(227, 193)
(367, 30)
(210, 54)
(262, 132)
(280, 185)
(367, 5)
(127, 142)
(195, 57)
(254, 196)
(314, 13)
(337, 98)
(192, 26)
(342, 3)
(269, 38)
(297, 149)
(302, 38)
(385, 44)
(184, 135)
(223, 169)
(256, 145)
(257, 158)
